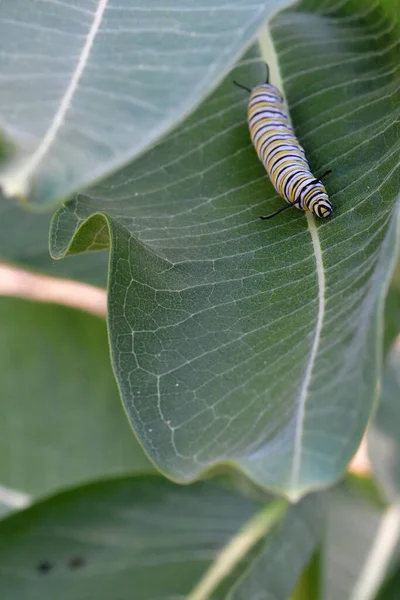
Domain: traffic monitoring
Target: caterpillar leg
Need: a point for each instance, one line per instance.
(280, 210)
(244, 87)
(322, 176)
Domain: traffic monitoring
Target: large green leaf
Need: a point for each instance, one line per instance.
(61, 420)
(87, 86)
(253, 342)
(145, 538)
(24, 242)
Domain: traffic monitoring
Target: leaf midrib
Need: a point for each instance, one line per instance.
(238, 547)
(17, 182)
(303, 394)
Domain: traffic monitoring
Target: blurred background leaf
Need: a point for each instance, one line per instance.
(309, 584)
(147, 538)
(61, 418)
(356, 516)
(384, 434)
(390, 591)
(24, 243)
(392, 313)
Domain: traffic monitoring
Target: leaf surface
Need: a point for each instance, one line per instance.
(248, 342)
(392, 313)
(87, 86)
(356, 519)
(390, 590)
(61, 420)
(384, 435)
(151, 539)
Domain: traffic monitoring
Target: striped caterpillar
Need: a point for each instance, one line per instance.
(281, 153)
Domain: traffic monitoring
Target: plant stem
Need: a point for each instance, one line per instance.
(251, 533)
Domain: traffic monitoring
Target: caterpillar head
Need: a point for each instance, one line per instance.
(322, 207)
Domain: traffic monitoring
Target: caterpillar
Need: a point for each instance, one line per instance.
(281, 153)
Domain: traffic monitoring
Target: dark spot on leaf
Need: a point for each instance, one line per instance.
(44, 566)
(76, 562)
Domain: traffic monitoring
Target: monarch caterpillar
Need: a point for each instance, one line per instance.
(281, 154)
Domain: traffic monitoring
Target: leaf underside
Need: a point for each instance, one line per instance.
(125, 76)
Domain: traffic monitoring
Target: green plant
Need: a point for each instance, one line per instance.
(248, 354)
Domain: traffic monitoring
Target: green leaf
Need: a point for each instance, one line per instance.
(354, 558)
(4, 509)
(88, 86)
(24, 242)
(309, 584)
(61, 418)
(392, 319)
(256, 343)
(390, 590)
(392, 313)
(384, 434)
(149, 539)
(281, 557)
